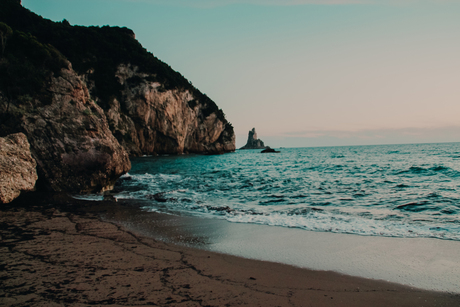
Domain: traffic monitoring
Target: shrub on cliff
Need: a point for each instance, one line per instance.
(5, 33)
(27, 64)
(100, 49)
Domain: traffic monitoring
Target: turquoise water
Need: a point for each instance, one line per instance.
(387, 190)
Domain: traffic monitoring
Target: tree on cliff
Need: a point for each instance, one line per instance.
(5, 33)
(63, 86)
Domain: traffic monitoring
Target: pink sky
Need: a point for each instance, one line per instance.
(304, 74)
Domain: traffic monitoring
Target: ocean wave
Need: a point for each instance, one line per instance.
(414, 207)
(414, 170)
(430, 171)
(318, 219)
(89, 197)
(371, 189)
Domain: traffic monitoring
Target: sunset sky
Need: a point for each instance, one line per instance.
(304, 73)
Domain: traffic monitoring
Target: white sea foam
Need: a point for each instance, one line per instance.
(396, 198)
(328, 222)
(366, 190)
(153, 178)
(323, 221)
(89, 197)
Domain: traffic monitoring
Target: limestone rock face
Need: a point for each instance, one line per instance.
(70, 138)
(120, 99)
(17, 167)
(253, 142)
(152, 120)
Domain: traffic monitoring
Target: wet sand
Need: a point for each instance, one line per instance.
(426, 263)
(59, 252)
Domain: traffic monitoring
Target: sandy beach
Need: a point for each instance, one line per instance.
(56, 252)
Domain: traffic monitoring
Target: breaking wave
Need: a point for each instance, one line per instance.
(392, 190)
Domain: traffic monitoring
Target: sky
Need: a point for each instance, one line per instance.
(304, 72)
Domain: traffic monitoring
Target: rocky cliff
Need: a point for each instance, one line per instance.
(253, 142)
(151, 108)
(17, 167)
(86, 97)
(68, 134)
(150, 119)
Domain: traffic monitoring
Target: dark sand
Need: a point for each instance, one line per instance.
(59, 253)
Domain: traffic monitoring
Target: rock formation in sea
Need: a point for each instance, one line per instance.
(269, 150)
(17, 167)
(88, 97)
(253, 142)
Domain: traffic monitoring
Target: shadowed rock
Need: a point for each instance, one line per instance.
(268, 150)
(17, 167)
(69, 137)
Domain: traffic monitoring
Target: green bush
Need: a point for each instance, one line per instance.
(27, 65)
(98, 48)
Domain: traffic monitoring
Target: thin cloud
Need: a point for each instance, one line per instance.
(375, 134)
(317, 137)
(218, 3)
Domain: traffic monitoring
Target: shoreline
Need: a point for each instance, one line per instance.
(425, 263)
(59, 252)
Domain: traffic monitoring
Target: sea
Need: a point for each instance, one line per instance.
(403, 191)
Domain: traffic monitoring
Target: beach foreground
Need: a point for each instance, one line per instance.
(57, 253)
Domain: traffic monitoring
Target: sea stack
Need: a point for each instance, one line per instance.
(253, 142)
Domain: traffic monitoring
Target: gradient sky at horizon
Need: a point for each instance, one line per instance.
(304, 72)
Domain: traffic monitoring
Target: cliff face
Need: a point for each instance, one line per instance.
(83, 119)
(17, 167)
(253, 142)
(69, 136)
(151, 108)
(149, 119)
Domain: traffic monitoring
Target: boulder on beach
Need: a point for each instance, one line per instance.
(17, 167)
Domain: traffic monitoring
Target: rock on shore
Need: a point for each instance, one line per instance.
(69, 137)
(17, 167)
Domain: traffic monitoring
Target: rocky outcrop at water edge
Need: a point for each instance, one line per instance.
(149, 119)
(269, 150)
(116, 99)
(69, 136)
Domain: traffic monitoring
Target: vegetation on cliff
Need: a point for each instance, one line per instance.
(86, 97)
(100, 49)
